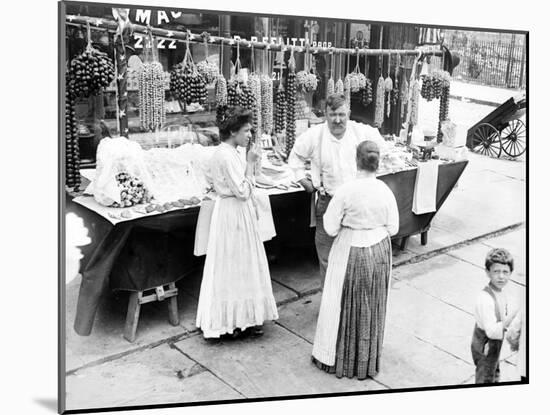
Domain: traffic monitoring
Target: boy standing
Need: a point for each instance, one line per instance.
(493, 316)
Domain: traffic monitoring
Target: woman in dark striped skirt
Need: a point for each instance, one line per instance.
(362, 215)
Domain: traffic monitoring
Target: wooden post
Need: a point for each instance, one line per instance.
(121, 39)
(225, 29)
(173, 316)
(424, 238)
(132, 317)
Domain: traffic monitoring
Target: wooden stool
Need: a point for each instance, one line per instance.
(137, 298)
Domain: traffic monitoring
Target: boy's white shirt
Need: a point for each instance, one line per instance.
(484, 313)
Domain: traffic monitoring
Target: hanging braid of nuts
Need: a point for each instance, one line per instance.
(266, 86)
(291, 101)
(280, 114)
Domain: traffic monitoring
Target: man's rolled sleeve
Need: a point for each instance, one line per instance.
(302, 151)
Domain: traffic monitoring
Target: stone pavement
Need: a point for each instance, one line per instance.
(428, 328)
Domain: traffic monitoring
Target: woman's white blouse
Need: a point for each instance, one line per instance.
(227, 173)
(366, 205)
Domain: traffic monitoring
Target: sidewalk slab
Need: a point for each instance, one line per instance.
(277, 364)
(513, 169)
(107, 338)
(300, 317)
(437, 239)
(473, 211)
(482, 92)
(410, 362)
(153, 376)
(302, 276)
(430, 320)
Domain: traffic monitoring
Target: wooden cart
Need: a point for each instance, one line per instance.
(501, 131)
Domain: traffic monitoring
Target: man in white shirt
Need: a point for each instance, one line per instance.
(331, 147)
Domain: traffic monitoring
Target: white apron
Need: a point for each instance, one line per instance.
(204, 221)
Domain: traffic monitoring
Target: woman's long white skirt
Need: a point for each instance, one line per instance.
(236, 289)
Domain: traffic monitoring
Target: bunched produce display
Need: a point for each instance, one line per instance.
(88, 74)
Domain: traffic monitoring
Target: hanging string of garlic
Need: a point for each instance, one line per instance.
(380, 99)
(404, 93)
(388, 86)
(347, 91)
(415, 97)
(330, 82)
(339, 87)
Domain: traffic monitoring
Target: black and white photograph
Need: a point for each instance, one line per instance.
(263, 206)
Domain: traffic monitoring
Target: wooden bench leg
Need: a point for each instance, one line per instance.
(424, 238)
(404, 242)
(132, 317)
(173, 315)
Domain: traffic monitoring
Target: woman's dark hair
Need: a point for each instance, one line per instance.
(499, 256)
(234, 119)
(368, 156)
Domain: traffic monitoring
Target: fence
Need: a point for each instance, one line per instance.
(491, 63)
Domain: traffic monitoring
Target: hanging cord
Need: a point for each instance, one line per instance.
(186, 56)
(347, 66)
(252, 63)
(148, 46)
(397, 62)
(357, 69)
(221, 58)
(206, 53)
(88, 37)
(331, 55)
(291, 60)
(154, 48)
(238, 61)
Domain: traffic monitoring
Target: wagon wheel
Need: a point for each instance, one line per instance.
(513, 139)
(486, 140)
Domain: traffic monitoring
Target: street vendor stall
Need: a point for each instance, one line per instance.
(147, 237)
(141, 202)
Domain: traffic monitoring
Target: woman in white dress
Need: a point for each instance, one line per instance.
(236, 292)
(363, 214)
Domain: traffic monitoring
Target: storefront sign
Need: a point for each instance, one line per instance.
(161, 43)
(142, 16)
